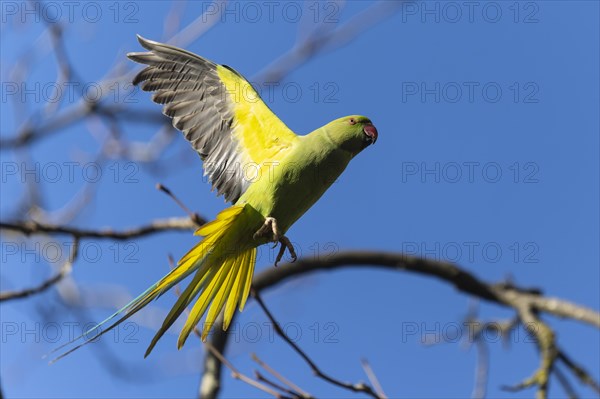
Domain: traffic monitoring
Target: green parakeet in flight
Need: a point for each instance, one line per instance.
(270, 175)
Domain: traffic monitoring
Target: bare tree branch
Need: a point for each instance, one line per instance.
(64, 270)
(504, 294)
(156, 226)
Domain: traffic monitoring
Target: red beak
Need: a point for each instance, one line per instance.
(371, 132)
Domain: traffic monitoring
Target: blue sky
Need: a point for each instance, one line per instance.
(487, 156)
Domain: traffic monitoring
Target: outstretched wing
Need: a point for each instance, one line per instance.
(218, 111)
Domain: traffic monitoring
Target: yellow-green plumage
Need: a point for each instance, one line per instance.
(229, 125)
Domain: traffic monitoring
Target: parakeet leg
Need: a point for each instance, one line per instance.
(269, 227)
(285, 244)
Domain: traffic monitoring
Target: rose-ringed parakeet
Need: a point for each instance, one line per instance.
(270, 175)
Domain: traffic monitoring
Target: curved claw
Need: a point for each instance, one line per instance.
(290, 248)
(280, 254)
(285, 244)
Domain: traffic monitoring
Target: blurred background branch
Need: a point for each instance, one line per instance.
(38, 216)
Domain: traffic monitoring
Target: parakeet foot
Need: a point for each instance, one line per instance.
(285, 244)
(269, 229)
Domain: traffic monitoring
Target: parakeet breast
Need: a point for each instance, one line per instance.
(290, 187)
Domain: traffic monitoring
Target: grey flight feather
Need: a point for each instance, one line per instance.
(192, 94)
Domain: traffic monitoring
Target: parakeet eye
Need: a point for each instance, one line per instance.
(352, 121)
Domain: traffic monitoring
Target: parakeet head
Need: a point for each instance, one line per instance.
(352, 133)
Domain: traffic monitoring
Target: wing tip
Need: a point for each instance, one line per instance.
(146, 43)
(136, 56)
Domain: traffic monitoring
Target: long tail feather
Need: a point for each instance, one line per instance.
(156, 290)
(223, 292)
(248, 269)
(233, 299)
(202, 303)
(224, 270)
(182, 302)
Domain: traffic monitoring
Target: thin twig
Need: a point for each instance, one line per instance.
(360, 387)
(373, 378)
(320, 39)
(565, 384)
(583, 376)
(64, 270)
(239, 376)
(261, 378)
(295, 388)
(481, 369)
(193, 215)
